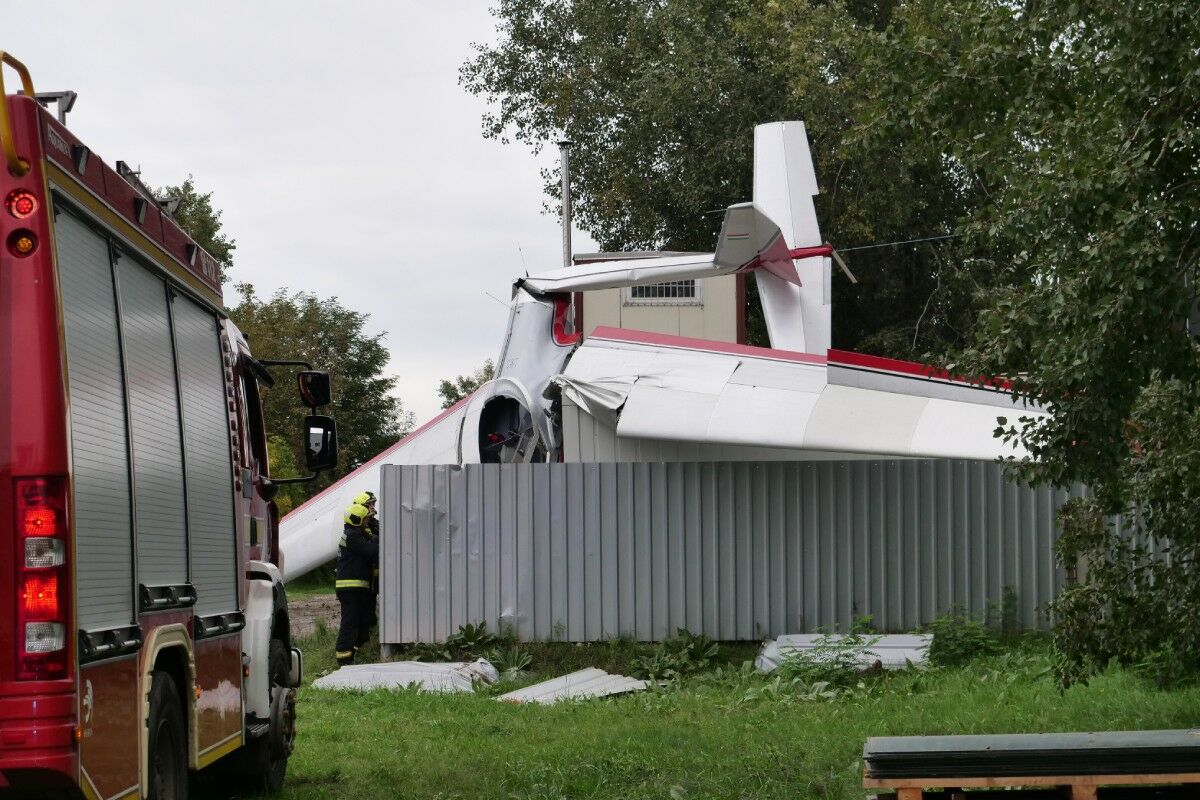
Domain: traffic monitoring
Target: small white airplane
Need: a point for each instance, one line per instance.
(796, 400)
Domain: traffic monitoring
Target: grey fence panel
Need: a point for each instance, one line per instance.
(735, 550)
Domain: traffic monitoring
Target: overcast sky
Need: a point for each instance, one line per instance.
(339, 146)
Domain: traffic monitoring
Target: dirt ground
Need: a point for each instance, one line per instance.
(304, 612)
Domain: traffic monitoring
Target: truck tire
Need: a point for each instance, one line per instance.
(167, 763)
(267, 757)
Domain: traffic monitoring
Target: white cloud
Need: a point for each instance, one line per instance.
(344, 155)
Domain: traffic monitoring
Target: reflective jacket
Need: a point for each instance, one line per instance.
(358, 558)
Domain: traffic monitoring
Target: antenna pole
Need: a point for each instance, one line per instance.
(564, 149)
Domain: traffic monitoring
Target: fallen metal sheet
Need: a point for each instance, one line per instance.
(1034, 754)
(577, 685)
(894, 651)
(455, 676)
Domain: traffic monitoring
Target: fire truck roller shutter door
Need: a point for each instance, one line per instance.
(155, 426)
(209, 466)
(99, 455)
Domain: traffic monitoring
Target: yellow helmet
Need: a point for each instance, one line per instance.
(364, 498)
(356, 514)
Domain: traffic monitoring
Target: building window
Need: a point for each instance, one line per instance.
(671, 293)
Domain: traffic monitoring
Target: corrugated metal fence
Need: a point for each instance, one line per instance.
(736, 550)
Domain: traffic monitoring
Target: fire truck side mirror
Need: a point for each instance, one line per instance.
(315, 388)
(320, 442)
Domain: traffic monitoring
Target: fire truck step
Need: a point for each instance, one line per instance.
(257, 730)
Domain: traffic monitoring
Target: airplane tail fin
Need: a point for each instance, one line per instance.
(785, 182)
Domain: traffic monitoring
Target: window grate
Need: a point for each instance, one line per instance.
(685, 292)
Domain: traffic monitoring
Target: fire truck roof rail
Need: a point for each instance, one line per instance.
(134, 177)
(16, 165)
(63, 102)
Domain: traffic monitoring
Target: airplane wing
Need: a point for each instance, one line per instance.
(715, 396)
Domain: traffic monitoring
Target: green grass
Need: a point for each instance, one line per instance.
(725, 734)
(314, 583)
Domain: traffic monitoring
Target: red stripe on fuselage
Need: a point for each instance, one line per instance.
(688, 343)
(845, 358)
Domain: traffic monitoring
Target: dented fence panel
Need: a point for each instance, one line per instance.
(734, 550)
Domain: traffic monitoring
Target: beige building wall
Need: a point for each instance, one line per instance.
(713, 315)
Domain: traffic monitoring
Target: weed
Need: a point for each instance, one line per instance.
(427, 651)
(683, 654)
(1010, 615)
(785, 691)
(959, 638)
(469, 642)
(1167, 666)
(834, 661)
(471, 639)
(1014, 666)
(511, 662)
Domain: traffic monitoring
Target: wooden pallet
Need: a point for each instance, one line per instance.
(1075, 787)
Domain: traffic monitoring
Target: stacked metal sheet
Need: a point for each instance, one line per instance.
(1037, 754)
(458, 676)
(586, 683)
(890, 651)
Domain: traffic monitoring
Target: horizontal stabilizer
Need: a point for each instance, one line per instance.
(749, 240)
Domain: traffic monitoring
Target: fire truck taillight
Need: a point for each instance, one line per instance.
(40, 599)
(21, 204)
(40, 521)
(42, 590)
(22, 243)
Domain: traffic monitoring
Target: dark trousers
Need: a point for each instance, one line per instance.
(358, 617)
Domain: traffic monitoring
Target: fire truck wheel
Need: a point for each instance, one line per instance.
(168, 741)
(268, 756)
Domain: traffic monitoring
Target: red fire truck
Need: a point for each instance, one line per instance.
(143, 621)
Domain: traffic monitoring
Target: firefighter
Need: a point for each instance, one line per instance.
(357, 564)
(368, 499)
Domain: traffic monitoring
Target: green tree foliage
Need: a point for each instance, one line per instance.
(661, 97)
(196, 215)
(460, 386)
(323, 332)
(282, 457)
(1078, 125)
(300, 325)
